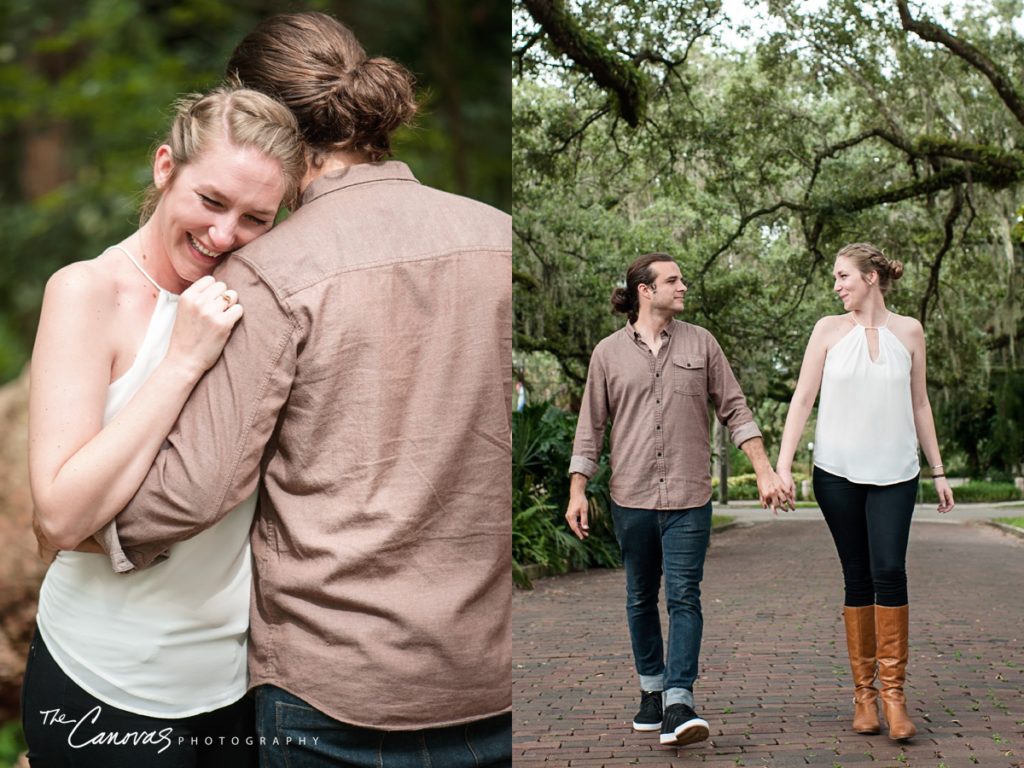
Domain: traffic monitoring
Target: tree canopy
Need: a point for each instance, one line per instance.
(644, 127)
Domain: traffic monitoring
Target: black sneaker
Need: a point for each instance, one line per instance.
(649, 716)
(682, 726)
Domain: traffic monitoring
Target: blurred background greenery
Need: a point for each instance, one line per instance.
(85, 89)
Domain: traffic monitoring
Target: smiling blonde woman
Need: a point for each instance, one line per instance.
(873, 415)
(128, 671)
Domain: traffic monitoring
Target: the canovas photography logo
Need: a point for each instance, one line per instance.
(87, 730)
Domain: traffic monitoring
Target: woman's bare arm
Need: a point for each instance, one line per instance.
(82, 473)
(804, 395)
(924, 422)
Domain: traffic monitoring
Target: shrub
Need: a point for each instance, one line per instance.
(744, 487)
(542, 437)
(972, 491)
(541, 537)
(12, 742)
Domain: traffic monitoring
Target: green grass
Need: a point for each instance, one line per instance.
(1017, 522)
(717, 520)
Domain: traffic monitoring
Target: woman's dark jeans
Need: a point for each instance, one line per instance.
(67, 726)
(870, 525)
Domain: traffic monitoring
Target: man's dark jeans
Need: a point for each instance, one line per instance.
(674, 542)
(295, 735)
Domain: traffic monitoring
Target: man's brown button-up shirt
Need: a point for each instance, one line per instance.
(658, 407)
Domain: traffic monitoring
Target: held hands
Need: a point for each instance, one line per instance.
(207, 313)
(788, 486)
(774, 492)
(578, 516)
(945, 494)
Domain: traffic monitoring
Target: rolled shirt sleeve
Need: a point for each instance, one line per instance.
(728, 398)
(586, 448)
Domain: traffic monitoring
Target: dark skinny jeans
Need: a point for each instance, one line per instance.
(870, 525)
(67, 727)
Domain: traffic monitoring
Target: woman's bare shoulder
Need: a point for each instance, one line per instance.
(908, 330)
(83, 282)
(831, 327)
(828, 322)
(905, 323)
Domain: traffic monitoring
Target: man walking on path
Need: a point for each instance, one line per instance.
(652, 379)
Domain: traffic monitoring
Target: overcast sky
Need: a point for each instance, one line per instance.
(754, 14)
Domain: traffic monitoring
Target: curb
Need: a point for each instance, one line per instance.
(1011, 529)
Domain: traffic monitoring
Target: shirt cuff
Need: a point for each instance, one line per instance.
(119, 560)
(111, 542)
(583, 466)
(744, 432)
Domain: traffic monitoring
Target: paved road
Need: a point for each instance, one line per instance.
(774, 681)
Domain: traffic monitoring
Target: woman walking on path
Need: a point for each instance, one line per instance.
(148, 669)
(873, 414)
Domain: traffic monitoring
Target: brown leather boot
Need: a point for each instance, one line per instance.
(891, 634)
(860, 644)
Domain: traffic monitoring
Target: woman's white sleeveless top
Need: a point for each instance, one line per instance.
(865, 429)
(169, 641)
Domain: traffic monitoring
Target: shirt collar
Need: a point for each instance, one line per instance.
(353, 175)
(634, 334)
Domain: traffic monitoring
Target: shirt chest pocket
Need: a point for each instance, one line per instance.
(689, 375)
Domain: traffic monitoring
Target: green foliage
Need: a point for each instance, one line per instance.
(1016, 522)
(542, 437)
(12, 742)
(753, 167)
(975, 491)
(743, 487)
(1018, 227)
(541, 537)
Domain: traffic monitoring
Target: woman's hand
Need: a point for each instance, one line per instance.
(788, 485)
(945, 494)
(207, 313)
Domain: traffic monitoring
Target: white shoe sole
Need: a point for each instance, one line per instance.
(646, 726)
(690, 732)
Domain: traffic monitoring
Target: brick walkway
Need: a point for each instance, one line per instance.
(774, 682)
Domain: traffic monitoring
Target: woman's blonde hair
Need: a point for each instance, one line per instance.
(867, 259)
(246, 118)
